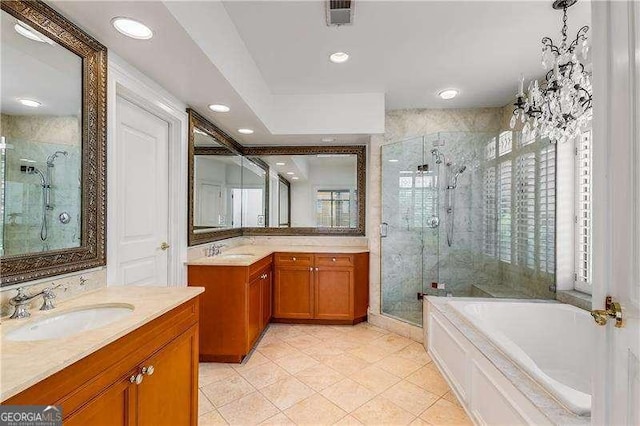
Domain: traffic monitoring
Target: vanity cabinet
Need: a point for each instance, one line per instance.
(147, 377)
(236, 308)
(321, 288)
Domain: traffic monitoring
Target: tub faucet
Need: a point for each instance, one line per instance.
(21, 301)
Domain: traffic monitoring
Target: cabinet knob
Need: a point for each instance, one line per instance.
(137, 379)
(311, 269)
(148, 370)
(316, 269)
(333, 259)
(294, 259)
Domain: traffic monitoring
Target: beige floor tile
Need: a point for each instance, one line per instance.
(227, 390)
(315, 410)
(345, 343)
(264, 375)
(344, 363)
(397, 366)
(375, 378)
(414, 352)
(393, 342)
(267, 339)
(253, 360)
(209, 372)
(278, 420)
(450, 396)
(287, 392)
(302, 341)
(248, 410)
(348, 420)
(211, 418)
(322, 349)
(322, 332)
(381, 411)
(429, 379)
(370, 353)
(319, 377)
(366, 334)
(296, 363)
(419, 422)
(444, 412)
(348, 394)
(411, 397)
(277, 350)
(204, 405)
(285, 331)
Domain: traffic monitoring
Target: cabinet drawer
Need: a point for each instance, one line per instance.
(260, 267)
(328, 259)
(293, 259)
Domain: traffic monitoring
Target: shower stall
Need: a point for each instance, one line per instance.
(466, 215)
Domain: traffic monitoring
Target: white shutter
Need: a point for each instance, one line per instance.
(525, 209)
(583, 213)
(489, 216)
(547, 209)
(504, 211)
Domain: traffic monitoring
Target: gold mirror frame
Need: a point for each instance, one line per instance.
(253, 154)
(92, 251)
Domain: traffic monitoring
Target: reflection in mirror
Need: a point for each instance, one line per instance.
(316, 191)
(41, 142)
(217, 178)
(254, 193)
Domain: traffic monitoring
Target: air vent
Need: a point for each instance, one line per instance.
(339, 12)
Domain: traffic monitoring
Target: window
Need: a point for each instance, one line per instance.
(333, 208)
(519, 202)
(582, 275)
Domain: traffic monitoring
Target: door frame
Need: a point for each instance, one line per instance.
(130, 84)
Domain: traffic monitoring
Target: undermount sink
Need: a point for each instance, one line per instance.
(68, 323)
(237, 255)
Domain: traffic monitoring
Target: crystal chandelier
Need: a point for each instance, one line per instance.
(561, 106)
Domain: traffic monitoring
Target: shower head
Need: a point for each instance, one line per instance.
(52, 157)
(454, 179)
(461, 170)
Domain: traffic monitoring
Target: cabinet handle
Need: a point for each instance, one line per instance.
(137, 379)
(148, 370)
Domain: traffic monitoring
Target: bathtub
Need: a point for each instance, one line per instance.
(484, 345)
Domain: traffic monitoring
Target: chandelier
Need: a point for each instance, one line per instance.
(559, 107)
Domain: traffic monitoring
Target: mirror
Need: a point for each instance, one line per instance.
(316, 191)
(255, 193)
(52, 144)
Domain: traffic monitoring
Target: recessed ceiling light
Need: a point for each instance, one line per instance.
(132, 28)
(219, 108)
(448, 93)
(28, 32)
(339, 57)
(328, 139)
(245, 131)
(290, 173)
(280, 164)
(393, 160)
(30, 103)
(295, 178)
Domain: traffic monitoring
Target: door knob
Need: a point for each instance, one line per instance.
(164, 245)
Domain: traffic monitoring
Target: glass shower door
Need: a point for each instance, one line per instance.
(409, 204)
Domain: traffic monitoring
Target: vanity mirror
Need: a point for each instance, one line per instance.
(52, 147)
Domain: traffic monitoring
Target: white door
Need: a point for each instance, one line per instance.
(142, 189)
(616, 215)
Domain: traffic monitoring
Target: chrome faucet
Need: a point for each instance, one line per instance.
(214, 250)
(21, 301)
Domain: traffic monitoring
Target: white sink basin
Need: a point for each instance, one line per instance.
(70, 322)
(237, 256)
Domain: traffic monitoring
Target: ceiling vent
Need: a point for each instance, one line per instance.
(339, 12)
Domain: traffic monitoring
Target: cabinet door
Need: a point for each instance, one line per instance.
(113, 407)
(267, 299)
(293, 295)
(333, 293)
(169, 396)
(255, 311)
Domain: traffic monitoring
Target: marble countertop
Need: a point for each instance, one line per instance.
(23, 364)
(258, 252)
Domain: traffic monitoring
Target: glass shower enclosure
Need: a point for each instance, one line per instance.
(465, 214)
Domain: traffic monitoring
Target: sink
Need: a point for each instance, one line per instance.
(69, 323)
(237, 256)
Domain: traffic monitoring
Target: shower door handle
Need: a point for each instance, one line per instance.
(384, 229)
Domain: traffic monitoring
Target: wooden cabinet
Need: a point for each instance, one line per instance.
(236, 308)
(101, 389)
(321, 288)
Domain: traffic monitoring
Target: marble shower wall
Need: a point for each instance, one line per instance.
(32, 139)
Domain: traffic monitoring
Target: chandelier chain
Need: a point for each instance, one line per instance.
(564, 27)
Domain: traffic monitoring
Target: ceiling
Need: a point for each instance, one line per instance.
(267, 60)
(410, 50)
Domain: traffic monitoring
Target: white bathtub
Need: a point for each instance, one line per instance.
(551, 342)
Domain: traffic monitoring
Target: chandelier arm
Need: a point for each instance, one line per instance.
(547, 42)
(582, 35)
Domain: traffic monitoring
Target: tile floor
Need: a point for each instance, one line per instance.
(325, 375)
